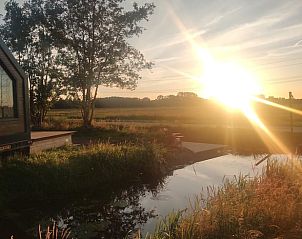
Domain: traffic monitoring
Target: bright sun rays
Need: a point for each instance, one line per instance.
(231, 84)
(236, 88)
(227, 82)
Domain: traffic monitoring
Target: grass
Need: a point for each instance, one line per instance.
(116, 154)
(168, 114)
(109, 161)
(207, 114)
(162, 115)
(54, 232)
(116, 134)
(268, 206)
(197, 124)
(78, 171)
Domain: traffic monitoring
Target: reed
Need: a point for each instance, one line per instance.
(54, 232)
(268, 206)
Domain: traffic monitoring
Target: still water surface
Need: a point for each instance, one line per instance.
(190, 181)
(142, 206)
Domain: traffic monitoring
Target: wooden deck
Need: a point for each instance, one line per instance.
(201, 151)
(198, 148)
(43, 140)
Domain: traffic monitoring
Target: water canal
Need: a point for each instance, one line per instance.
(141, 206)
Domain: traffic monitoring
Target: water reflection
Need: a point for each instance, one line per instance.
(94, 218)
(192, 180)
(141, 206)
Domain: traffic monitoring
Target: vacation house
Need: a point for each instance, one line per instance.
(14, 106)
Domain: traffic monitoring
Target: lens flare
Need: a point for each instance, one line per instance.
(227, 82)
(231, 84)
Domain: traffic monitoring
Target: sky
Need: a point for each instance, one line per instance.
(265, 37)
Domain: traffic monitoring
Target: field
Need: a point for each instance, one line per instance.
(209, 124)
(163, 115)
(209, 114)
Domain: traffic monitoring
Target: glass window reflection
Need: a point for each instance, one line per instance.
(6, 96)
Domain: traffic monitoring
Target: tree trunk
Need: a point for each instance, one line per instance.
(31, 103)
(92, 104)
(86, 108)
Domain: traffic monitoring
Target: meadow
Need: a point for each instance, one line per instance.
(209, 124)
(206, 114)
(162, 115)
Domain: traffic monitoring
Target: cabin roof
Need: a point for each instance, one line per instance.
(12, 59)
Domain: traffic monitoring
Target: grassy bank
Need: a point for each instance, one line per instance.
(268, 206)
(78, 171)
(112, 164)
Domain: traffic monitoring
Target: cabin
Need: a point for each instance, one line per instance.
(14, 105)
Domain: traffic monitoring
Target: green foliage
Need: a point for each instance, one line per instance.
(168, 227)
(16, 28)
(26, 32)
(182, 99)
(94, 48)
(268, 206)
(78, 44)
(78, 171)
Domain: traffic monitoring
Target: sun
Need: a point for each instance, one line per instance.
(228, 82)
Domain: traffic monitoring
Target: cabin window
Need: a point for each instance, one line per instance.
(7, 99)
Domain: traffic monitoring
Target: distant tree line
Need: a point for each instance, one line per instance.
(293, 103)
(181, 99)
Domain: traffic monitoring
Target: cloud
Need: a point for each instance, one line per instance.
(299, 43)
(168, 59)
(178, 39)
(265, 34)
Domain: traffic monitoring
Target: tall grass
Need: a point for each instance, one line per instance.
(78, 170)
(268, 206)
(54, 232)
